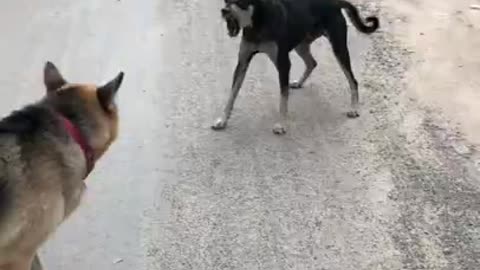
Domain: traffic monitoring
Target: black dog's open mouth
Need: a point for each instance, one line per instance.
(232, 25)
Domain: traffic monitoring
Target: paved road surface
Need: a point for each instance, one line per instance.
(394, 189)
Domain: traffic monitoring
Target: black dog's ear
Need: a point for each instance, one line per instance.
(106, 94)
(52, 77)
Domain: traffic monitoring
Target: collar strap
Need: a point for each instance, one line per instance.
(78, 137)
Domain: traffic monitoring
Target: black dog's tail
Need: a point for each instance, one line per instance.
(352, 11)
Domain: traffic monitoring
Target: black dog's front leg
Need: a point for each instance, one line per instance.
(245, 55)
(283, 67)
(281, 60)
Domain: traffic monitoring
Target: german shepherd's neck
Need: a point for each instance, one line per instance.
(42, 119)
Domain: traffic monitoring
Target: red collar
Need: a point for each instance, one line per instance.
(76, 135)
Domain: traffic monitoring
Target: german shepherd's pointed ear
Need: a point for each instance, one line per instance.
(106, 94)
(52, 78)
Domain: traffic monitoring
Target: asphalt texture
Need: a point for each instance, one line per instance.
(396, 188)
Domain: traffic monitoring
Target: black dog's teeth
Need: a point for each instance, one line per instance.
(232, 26)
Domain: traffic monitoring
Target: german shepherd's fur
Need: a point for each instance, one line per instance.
(42, 167)
(276, 27)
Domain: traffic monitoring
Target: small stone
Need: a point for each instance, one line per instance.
(117, 260)
(477, 164)
(475, 7)
(447, 251)
(461, 148)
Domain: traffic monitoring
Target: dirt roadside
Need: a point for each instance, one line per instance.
(444, 37)
(428, 59)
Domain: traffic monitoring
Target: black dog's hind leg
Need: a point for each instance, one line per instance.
(36, 264)
(245, 55)
(303, 50)
(337, 34)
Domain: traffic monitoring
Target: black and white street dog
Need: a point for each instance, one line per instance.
(276, 27)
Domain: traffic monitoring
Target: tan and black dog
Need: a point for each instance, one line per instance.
(47, 149)
(276, 27)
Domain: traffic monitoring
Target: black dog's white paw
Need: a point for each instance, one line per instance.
(295, 85)
(219, 124)
(279, 129)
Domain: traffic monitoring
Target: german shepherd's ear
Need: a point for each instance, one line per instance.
(106, 94)
(52, 78)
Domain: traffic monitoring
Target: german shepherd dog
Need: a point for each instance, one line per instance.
(276, 27)
(47, 149)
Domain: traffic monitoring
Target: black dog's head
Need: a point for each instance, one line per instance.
(237, 14)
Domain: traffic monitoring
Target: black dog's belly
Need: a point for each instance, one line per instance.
(313, 35)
